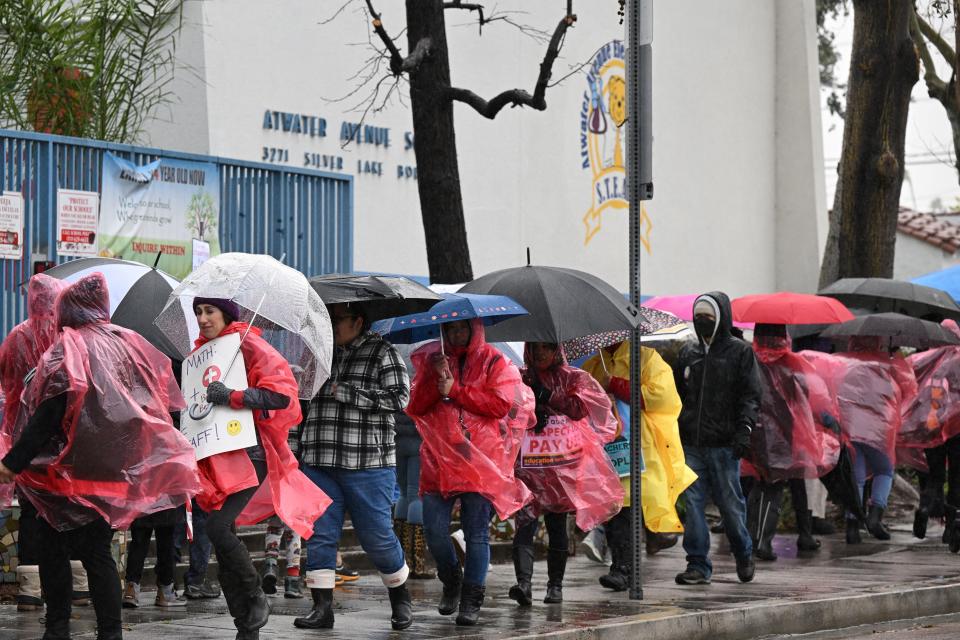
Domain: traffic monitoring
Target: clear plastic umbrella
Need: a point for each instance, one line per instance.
(273, 297)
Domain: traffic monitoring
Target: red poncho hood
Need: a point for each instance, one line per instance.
(933, 417)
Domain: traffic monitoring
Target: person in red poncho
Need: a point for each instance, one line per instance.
(563, 463)
(249, 485)
(95, 447)
(471, 408)
(19, 353)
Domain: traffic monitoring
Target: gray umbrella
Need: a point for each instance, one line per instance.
(380, 296)
(879, 295)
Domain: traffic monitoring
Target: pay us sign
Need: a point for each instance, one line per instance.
(215, 429)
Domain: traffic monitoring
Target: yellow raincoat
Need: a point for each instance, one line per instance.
(666, 475)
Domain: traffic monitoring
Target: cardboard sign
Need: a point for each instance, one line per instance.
(11, 226)
(215, 429)
(558, 444)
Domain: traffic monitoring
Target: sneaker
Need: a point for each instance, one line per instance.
(131, 596)
(745, 569)
(167, 597)
(202, 591)
(347, 575)
(594, 546)
(692, 576)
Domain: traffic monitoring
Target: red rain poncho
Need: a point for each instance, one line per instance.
(21, 351)
(934, 415)
(471, 443)
(871, 390)
(120, 457)
(790, 439)
(286, 491)
(584, 481)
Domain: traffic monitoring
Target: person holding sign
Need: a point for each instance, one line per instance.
(250, 484)
(562, 461)
(470, 406)
(96, 449)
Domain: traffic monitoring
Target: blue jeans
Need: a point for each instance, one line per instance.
(409, 506)
(719, 475)
(200, 547)
(475, 514)
(869, 461)
(368, 495)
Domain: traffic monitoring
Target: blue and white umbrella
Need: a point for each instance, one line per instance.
(417, 327)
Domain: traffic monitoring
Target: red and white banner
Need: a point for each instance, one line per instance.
(11, 226)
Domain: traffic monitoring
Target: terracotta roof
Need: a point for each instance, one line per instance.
(930, 228)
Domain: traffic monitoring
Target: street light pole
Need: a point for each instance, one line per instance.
(639, 171)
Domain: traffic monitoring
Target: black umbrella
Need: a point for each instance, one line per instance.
(381, 296)
(563, 304)
(879, 295)
(841, 484)
(900, 330)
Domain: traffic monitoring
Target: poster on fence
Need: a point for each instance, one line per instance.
(11, 226)
(213, 429)
(159, 208)
(77, 222)
(559, 443)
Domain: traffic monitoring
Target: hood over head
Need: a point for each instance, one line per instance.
(559, 359)
(42, 292)
(477, 338)
(720, 303)
(87, 301)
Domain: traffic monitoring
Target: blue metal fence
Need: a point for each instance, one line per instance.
(307, 215)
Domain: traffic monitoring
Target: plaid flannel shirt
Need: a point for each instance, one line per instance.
(352, 428)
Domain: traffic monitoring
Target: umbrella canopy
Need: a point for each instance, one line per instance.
(880, 295)
(947, 280)
(137, 295)
(682, 307)
(790, 308)
(275, 298)
(380, 296)
(901, 330)
(563, 304)
(655, 326)
(418, 327)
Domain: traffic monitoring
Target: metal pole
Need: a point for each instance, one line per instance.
(639, 172)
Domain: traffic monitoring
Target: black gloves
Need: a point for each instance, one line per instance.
(741, 441)
(543, 418)
(218, 393)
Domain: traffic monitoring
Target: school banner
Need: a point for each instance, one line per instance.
(214, 429)
(159, 208)
(11, 226)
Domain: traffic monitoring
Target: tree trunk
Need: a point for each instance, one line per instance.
(438, 174)
(883, 69)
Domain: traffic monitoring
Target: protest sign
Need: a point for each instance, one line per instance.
(619, 450)
(558, 443)
(222, 429)
(11, 226)
(77, 222)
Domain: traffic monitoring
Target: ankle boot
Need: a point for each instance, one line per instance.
(853, 531)
(321, 616)
(452, 581)
(471, 598)
(522, 592)
(874, 524)
(419, 554)
(401, 608)
(556, 566)
(805, 539)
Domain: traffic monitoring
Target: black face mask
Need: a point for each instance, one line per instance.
(705, 327)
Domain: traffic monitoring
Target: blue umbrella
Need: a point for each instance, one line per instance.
(417, 327)
(948, 280)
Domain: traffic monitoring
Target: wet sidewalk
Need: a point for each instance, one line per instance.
(840, 585)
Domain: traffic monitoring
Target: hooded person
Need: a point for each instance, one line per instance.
(665, 474)
(563, 463)
(19, 354)
(718, 381)
(471, 408)
(94, 448)
(247, 486)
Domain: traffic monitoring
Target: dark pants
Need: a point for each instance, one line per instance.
(28, 542)
(91, 545)
(527, 528)
(944, 465)
(200, 546)
(140, 545)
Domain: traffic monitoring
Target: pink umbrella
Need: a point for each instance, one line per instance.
(682, 307)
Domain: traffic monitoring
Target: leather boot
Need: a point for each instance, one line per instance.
(656, 542)
(471, 598)
(853, 531)
(618, 579)
(874, 524)
(452, 582)
(245, 599)
(401, 608)
(419, 554)
(556, 566)
(522, 592)
(805, 539)
(321, 616)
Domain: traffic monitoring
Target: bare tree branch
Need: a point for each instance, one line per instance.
(339, 11)
(418, 55)
(458, 4)
(936, 88)
(519, 97)
(936, 40)
(396, 60)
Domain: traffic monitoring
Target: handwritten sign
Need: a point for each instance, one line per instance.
(559, 443)
(215, 429)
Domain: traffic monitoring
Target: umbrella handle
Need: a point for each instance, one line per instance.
(199, 414)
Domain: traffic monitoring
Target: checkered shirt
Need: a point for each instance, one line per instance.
(352, 428)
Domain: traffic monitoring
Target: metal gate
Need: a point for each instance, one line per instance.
(307, 215)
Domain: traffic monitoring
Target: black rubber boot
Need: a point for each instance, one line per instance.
(805, 539)
(522, 592)
(245, 599)
(823, 527)
(853, 531)
(452, 581)
(271, 574)
(321, 616)
(765, 500)
(875, 525)
(951, 535)
(556, 567)
(471, 598)
(620, 544)
(401, 608)
(920, 518)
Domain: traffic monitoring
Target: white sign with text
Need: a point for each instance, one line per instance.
(11, 226)
(77, 214)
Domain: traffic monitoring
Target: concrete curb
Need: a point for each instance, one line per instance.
(785, 616)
